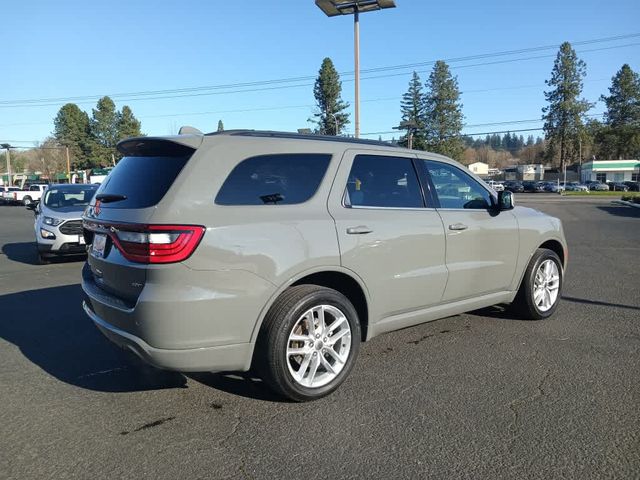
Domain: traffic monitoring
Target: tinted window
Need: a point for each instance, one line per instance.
(378, 181)
(282, 179)
(143, 180)
(456, 189)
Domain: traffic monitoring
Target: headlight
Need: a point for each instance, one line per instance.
(54, 222)
(47, 234)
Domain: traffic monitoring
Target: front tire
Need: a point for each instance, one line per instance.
(541, 287)
(308, 342)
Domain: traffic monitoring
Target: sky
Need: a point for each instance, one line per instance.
(252, 63)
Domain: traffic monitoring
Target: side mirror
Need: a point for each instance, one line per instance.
(505, 200)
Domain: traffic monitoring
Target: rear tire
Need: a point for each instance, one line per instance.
(26, 201)
(541, 287)
(308, 342)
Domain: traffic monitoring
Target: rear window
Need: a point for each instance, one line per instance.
(143, 180)
(282, 179)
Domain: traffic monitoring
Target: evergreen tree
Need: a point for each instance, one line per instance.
(104, 132)
(330, 118)
(621, 136)
(127, 124)
(443, 119)
(565, 115)
(530, 140)
(220, 126)
(71, 129)
(412, 110)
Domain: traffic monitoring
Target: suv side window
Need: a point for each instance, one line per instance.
(279, 179)
(380, 181)
(455, 189)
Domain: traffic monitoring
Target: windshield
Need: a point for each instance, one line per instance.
(69, 198)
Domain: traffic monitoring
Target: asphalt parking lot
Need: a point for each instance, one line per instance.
(479, 395)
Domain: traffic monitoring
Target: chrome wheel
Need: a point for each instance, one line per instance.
(546, 285)
(318, 346)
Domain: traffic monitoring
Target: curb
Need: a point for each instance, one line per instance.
(624, 202)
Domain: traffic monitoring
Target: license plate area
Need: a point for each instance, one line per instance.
(98, 245)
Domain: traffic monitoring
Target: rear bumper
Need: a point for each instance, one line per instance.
(207, 359)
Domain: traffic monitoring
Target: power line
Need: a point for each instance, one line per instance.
(187, 92)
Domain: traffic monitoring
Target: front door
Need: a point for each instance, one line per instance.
(482, 244)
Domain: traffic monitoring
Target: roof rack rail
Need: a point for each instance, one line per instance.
(300, 136)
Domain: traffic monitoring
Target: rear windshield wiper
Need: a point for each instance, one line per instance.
(110, 197)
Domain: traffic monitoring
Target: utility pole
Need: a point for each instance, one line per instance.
(356, 48)
(66, 149)
(8, 147)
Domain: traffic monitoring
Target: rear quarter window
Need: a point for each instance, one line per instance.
(279, 179)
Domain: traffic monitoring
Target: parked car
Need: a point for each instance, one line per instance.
(575, 187)
(497, 186)
(598, 187)
(58, 222)
(529, 186)
(553, 187)
(633, 186)
(284, 251)
(26, 196)
(515, 187)
(6, 193)
(618, 187)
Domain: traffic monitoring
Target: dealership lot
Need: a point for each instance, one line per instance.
(477, 395)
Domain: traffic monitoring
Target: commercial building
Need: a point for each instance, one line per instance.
(524, 172)
(611, 170)
(479, 168)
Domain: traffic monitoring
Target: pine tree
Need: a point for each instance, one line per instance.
(330, 118)
(220, 126)
(71, 129)
(104, 132)
(620, 138)
(443, 119)
(127, 124)
(412, 111)
(564, 117)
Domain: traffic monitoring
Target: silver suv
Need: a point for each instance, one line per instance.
(282, 252)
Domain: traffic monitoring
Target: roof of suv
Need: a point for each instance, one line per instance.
(301, 136)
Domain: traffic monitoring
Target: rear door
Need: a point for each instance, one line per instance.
(387, 234)
(482, 244)
(125, 201)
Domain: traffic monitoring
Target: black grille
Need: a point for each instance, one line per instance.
(73, 227)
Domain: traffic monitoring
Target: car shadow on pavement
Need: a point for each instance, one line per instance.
(621, 211)
(495, 311)
(241, 384)
(27, 252)
(598, 302)
(52, 331)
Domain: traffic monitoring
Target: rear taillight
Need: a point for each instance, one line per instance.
(157, 243)
(15, 196)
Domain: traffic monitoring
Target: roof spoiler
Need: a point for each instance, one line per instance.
(174, 145)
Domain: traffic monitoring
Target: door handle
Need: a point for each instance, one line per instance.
(359, 230)
(458, 227)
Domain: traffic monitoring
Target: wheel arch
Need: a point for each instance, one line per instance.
(338, 278)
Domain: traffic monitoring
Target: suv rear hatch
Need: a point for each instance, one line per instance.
(118, 227)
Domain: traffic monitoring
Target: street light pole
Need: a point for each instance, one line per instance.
(356, 61)
(333, 8)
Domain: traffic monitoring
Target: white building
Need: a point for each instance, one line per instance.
(479, 168)
(611, 170)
